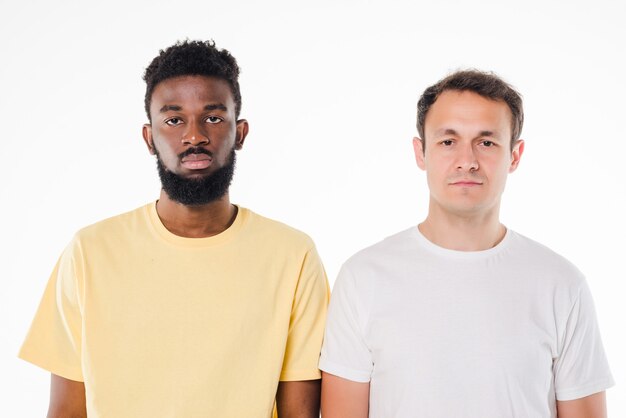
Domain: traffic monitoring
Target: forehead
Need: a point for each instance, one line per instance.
(466, 110)
(192, 89)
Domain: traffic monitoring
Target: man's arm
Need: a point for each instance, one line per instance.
(592, 406)
(67, 398)
(343, 398)
(300, 399)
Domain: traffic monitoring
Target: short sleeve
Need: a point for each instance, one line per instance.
(306, 324)
(54, 339)
(581, 368)
(345, 352)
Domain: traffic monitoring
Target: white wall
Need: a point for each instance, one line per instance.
(329, 89)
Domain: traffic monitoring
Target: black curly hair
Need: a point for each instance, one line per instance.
(193, 58)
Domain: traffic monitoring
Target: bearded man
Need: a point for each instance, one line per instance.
(189, 306)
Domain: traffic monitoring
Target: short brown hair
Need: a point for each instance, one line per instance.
(485, 84)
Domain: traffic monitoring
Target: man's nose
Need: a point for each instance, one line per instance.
(466, 159)
(195, 135)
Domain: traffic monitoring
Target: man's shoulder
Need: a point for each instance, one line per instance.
(529, 246)
(276, 232)
(385, 250)
(115, 225)
(542, 258)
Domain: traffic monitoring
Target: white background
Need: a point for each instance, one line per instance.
(329, 90)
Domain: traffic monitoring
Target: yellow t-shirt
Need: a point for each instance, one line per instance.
(158, 325)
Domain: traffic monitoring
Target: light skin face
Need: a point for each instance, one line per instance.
(467, 154)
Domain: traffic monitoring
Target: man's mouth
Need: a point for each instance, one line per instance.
(196, 161)
(465, 183)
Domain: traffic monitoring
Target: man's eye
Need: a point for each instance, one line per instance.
(174, 121)
(213, 119)
(488, 143)
(446, 142)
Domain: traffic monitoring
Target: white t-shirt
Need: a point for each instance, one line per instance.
(442, 333)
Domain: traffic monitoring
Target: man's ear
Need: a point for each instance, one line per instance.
(242, 131)
(146, 131)
(516, 155)
(418, 148)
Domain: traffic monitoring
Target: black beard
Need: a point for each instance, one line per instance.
(197, 191)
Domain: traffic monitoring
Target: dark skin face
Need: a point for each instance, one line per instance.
(194, 112)
(187, 112)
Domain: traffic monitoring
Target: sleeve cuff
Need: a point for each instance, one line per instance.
(68, 372)
(581, 392)
(344, 372)
(296, 375)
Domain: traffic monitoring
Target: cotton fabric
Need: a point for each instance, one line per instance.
(498, 333)
(158, 325)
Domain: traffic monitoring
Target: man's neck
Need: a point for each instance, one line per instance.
(196, 221)
(475, 232)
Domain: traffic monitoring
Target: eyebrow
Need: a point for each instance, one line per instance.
(177, 108)
(443, 132)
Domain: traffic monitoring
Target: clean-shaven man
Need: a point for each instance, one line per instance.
(461, 316)
(189, 306)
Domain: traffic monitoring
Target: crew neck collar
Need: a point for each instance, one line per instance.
(461, 255)
(165, 234)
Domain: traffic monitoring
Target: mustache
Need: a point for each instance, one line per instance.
(465, 176)
(195, 150)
